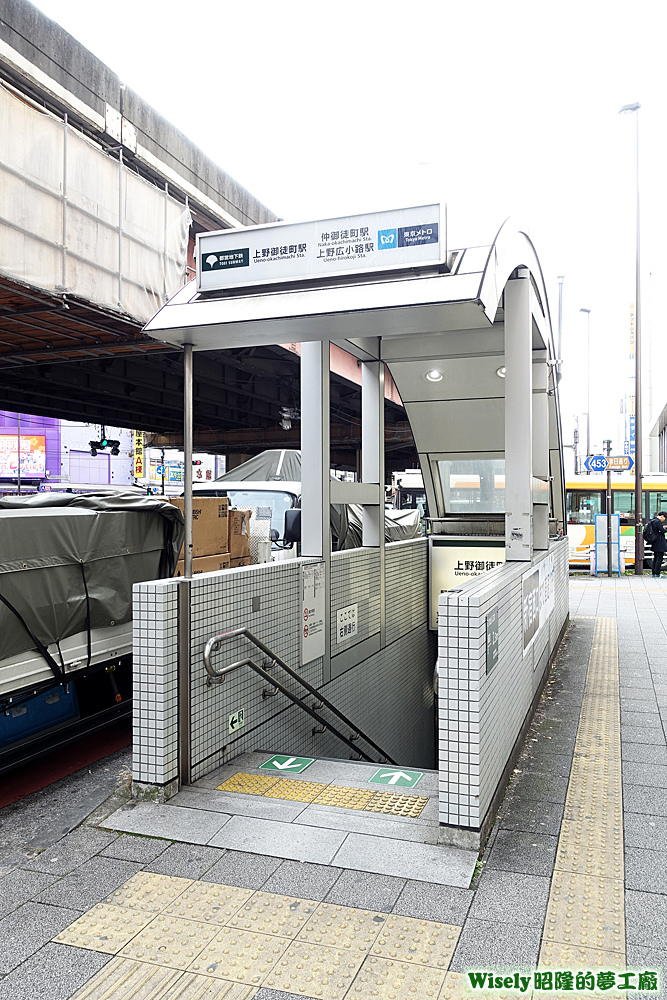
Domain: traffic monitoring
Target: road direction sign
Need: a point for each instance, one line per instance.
(620, 463)
(291, 765)
(396, 776)
(161, 470)
(596, 463)
(613, 463)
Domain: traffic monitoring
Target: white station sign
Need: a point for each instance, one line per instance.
(285, 252)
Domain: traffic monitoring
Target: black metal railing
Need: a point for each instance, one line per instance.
(215, 643)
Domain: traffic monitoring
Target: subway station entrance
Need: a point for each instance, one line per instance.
(302, 691)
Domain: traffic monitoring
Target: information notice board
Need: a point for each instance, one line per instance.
(312, 622)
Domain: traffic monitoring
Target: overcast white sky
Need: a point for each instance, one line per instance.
(495, 108)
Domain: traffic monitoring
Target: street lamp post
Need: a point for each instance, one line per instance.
(628, 109)
(588, 383)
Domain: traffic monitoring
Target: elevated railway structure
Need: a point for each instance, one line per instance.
(101, 200)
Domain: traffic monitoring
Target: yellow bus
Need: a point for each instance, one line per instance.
(585, 496)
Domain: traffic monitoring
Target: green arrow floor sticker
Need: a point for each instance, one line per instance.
(396, 777)
(286, 765)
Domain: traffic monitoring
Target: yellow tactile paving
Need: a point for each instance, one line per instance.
(389, 980)
(585, 921)
(205, 941)
(297, 791)
(346, 928)
(313, 970)
(585, 909)
(456, 987)
(240, 956)
(419, 942)
(249, 784)
(344, 798)
(270, 913)
(105, 928)
(209, 901)
(124, 979)
(171, 941)
(396, 804)
(271, 787)
(148, 893)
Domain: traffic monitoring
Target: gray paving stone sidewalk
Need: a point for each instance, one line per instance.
(502, 913)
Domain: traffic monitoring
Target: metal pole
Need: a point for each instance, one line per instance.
(63, 279)
(18, 445)
(187, 457)
(120, 228)
(588, 384)
(559, 355)
(609, 570)
(639, 539)
(162, 463)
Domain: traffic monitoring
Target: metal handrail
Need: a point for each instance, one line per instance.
(214, 644)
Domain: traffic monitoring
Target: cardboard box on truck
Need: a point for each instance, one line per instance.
(210, 524)
(241, 561)
(239, 533)
(205, 564)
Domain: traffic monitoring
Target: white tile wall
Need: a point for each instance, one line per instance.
(155, 659)
(354, 580)
(480, 714)
(389, 694)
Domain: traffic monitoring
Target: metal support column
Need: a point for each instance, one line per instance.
(187, 457)
(184, 759)
(372, 463)
(518, 419)
(540, 446)
(316, 469)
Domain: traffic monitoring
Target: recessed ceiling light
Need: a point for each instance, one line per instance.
(500, 372)
(433, 376)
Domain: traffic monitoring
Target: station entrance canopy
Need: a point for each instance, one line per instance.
(465, 333)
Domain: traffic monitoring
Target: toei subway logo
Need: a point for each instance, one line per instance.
(223, 259)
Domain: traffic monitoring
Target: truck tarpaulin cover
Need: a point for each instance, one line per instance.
(48, 541)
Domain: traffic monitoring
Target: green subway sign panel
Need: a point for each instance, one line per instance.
(286, 765)
(396, 777)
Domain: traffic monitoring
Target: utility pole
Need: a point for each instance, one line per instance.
(588, 384)
(629, 109)
(607, 445)
(559, 355)
(162, 465)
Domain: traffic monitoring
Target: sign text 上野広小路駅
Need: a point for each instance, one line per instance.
(283, 252)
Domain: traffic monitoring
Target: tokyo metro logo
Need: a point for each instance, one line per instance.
(387, 239)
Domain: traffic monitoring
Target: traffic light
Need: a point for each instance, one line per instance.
(106, 442)
(196, 461)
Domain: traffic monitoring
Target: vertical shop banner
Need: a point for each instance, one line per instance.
(139, 470)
